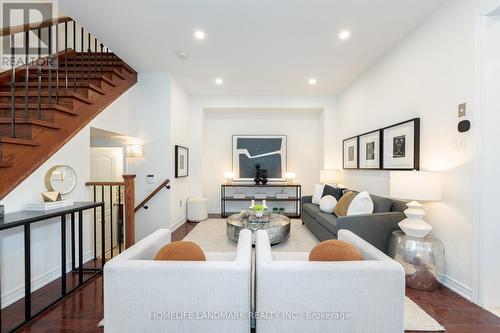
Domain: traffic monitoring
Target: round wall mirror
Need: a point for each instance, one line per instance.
(60, 178)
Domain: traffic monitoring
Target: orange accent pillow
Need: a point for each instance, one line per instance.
(334, 250)
(181, 251)
(343, 203)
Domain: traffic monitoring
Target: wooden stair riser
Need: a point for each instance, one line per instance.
(82, 70)
(84, 91)
(23, 131)
(67, 101)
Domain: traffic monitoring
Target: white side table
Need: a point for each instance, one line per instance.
(422, 259)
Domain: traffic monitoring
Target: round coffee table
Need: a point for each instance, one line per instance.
(276, 225)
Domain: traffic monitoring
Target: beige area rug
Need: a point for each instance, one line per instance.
(211, 236)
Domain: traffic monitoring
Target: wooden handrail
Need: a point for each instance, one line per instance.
(104, 183)
(150, 196)
(6, 31)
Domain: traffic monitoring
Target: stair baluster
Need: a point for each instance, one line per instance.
(81, 56)
(39, 73)
(49, 59)
(89, 52)
(57, 64)
(13, 83)
(27, 74)
(74, 55)
(65, 57)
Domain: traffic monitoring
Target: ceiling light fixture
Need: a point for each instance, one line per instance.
(312, 81)
(344, 35)
(218, 81)
(199, 34)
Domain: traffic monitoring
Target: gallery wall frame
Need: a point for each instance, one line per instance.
(181, 161)
(394, 147)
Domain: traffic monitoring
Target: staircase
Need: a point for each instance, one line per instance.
(52, 96)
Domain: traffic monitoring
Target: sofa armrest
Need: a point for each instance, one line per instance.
(376, 229)
(307, 199)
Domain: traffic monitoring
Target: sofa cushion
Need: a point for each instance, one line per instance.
(311, 209)
(333, 191)
(344, 202)
(381, 204)
(181, 251)
(328, 221)
(335, 250)
(318, 193)
(361, 204)
(327, 204)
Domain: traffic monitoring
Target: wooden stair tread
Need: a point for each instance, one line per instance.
(45, 86)
(6, 164)
(21, 106)
(16, 141)
(46, 94)
(31, 121)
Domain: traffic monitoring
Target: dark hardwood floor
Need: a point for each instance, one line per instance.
(83, 309)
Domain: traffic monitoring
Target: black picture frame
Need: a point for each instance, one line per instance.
(356, 153)
(181, 172)
(379, 150)
(415, 164)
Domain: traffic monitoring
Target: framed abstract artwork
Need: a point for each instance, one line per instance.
(370, 150)
(181, 161)
(401, 146)
(350, 153)
(267, 152)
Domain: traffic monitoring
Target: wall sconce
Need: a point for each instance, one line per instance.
(290, 176)
(135, 150)
(229, 175)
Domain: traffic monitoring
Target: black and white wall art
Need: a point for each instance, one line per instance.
(267, 151)
(181, 161)
(350, 153)
(401, 146)
(369, 150)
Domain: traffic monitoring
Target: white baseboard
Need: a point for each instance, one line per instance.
(40, 281)
(456, 286)
(177, 224)
(214, 211)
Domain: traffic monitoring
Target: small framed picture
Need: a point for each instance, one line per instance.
(369, 150)
(401, 146)
(181, 161)
(350, 153)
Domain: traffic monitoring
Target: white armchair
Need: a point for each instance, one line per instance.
(145, 295)
(296, 295)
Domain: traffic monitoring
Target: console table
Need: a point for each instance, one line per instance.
(294, 197)
(25, 219)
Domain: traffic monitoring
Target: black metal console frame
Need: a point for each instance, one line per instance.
(25, 219)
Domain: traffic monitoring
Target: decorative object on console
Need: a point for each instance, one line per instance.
(369, 150)
(51, 196)
(327, 204)
(229, 175)
(239, 195)
(60, 178)
(260, 175)
(267, 151)
(290, 176)
(135, 150)
(44, 206)
(415, 185)
(350, 153)
(260, 196)
(2, 211)
(421, 257)
(401, 146)
(282, 195)
(181, 161)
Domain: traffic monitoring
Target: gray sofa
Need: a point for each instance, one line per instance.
(375, 228)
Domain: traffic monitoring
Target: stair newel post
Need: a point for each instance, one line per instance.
(27, 74)
(129, 200)
(66, 57)
(89, 52)
(101, 58)
(95, 55)
(81, 54)
(39, 73)
(49, 59)
(13, 83)
(74, 56)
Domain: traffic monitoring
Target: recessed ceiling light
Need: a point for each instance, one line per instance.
(199, 34)
(218, 81)
(183, 55)
(312, 81)
(344, 35)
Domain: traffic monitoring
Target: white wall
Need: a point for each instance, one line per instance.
(198, 131)
(142, 112)
(426, 75)
(302, 128)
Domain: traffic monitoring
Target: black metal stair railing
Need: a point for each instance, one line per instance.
(44, 64)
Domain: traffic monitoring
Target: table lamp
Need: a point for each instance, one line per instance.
(289, 176)
(229, 175)
(415, 185)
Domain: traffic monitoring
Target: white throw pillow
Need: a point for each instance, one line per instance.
(361, 204)
(318, 193)
(327, 204)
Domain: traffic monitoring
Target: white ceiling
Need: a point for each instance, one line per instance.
(259, 47)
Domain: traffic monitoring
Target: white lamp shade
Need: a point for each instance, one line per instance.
(229, 174)
(416, 185)
(331, 176)
(290, 175)
(135, 150)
